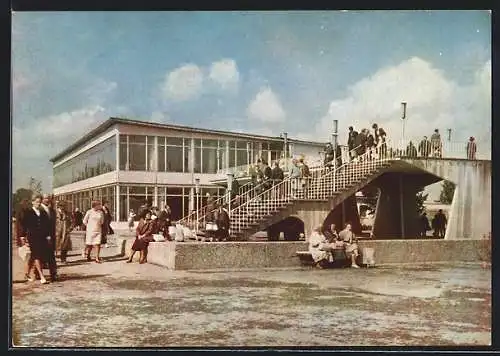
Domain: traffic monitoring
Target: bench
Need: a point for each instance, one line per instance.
(305, 257)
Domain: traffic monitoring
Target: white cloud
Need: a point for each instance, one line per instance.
(266, 107)
(34, 145)
(183, 83)
(433, 100)
(158, 116)
(225, 73)
(99, 91)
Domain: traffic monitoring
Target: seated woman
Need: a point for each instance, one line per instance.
(144, 235)
(351, 245)
(316, 242)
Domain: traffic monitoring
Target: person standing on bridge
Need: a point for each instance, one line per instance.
(351, 141)
(424, 147)
(436, 144)
(411, 150)
(380, 140)
(294, 174)
(471, 149)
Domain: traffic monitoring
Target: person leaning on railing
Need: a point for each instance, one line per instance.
(306, 176)
(471, 149)
(294, 174)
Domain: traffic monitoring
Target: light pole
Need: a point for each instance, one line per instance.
(230, 177)
(403, 120)
(284, 135)
(197, 191)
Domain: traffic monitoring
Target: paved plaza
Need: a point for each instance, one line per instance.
(130, 305)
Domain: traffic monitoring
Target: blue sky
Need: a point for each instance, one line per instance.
(260, 72)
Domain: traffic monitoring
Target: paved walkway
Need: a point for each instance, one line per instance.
(115, 304)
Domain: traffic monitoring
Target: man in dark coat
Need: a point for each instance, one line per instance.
(277, 174)
(47, 206)
(267, 172)
(440, 224)
(106, 225)
(350, 141)
(359, 143)
(223, 223)
(424, 147)
(424, 225)
(411, 150)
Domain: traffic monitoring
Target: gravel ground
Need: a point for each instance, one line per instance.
(115, 304)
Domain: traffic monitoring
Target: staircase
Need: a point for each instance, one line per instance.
(255, 209)
(325, 185)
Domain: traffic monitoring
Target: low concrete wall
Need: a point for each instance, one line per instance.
(255, 255)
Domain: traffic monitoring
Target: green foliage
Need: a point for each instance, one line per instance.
(420, 198)
(446, 196)
(20, 195)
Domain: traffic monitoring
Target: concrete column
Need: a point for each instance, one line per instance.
(396, 215)
(117, 202)
(344, 212)
(117, 153)
(227, 154)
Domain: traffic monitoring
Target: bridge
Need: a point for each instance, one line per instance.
(329, 197)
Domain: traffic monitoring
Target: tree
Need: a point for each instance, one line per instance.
(35, 186)
(20, 195)
(420, 198)
(446, 196)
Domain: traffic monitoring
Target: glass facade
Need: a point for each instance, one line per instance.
(173, 154)
(162, 154)
(83, 199)
(98, 160)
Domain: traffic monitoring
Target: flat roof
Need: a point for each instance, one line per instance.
(116, 120)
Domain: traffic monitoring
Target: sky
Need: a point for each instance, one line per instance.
(256, 72)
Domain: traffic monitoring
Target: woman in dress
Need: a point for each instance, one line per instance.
(36, 231)
(63, 229)
(316, 240)
(144, 232)
(93, 220)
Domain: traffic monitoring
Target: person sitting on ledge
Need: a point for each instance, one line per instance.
(316, 243)
(351, 245)
(143, 236)
(331, 234)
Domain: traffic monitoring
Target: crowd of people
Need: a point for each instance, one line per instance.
(43, 229)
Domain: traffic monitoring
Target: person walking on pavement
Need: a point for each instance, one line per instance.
(48, 207)
(471, 149)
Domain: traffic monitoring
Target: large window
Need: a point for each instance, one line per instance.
(209, 154)
(98, 160)
(137, 152)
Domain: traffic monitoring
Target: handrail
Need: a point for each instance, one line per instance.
(280, 193)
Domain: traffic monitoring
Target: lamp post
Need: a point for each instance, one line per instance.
(284, 135)
(230, 177)
(197, 191)
(403, 120)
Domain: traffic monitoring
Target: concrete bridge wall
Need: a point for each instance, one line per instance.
(470, 213)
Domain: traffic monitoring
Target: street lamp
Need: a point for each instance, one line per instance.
(403, 120)
(284, 136)
(197, 191)
(230, 177)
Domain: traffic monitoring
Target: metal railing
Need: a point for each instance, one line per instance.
(283, 193)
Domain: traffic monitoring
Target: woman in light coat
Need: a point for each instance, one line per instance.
(63, 228)
(93, 220)
(316, 241)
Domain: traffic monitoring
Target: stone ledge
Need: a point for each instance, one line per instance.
(219, 256)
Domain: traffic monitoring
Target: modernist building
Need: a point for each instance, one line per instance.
(127, 162)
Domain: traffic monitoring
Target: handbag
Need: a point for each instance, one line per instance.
(24, 252)
(158, 238)
(211, 227)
